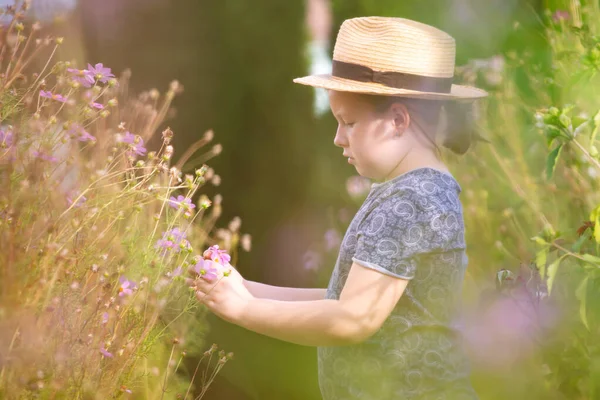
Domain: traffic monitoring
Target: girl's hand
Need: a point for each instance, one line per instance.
(225, 295)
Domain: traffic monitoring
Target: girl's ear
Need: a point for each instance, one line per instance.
(401, 117)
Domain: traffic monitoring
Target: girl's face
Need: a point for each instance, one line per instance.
(372, 141)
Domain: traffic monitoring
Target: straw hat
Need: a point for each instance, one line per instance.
(393, 57)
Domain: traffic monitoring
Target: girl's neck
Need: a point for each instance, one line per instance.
(415, 159)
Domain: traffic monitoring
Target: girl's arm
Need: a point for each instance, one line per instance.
(367, 299)
(264, 291)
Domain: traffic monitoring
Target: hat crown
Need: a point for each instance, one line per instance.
(397, 45)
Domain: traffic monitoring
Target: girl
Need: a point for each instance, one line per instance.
(385, 326)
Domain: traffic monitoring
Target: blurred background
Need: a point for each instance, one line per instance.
(281, 173)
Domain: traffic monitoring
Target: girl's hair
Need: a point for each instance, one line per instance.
(455, 120)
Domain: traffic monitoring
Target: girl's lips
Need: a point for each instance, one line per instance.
(350, 160)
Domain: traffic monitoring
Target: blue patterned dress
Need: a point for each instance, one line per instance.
(410, 227)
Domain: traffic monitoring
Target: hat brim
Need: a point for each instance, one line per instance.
(326, 81)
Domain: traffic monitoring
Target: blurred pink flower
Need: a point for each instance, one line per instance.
(100, 72)
(206, 268)
(136, 143)
(174, 240)
(217, 255)
(177, 272)
(105, 318)
(43, 156)
(312, 260)
(96, 105)
(126, 287)
(83, 76)
(50, 95)
(74, 195)
(105, 353)
(6, 138)
(357, 186)
(561, 15)
(183, 203)
(507, 330)
(332, 239)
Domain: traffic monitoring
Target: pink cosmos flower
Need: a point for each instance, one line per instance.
(74, 195)
(126, 287)
(43, 156)
(50, 95)
(77, 131)
(177, 272)
(100, 72)
(129, 138)
(85, 136)
(105, 353)
(217, 255)
(136, 143)
(83, 76)
(312, 260)
(206, 269)
(357, 186)
(560, 15)
(332, 239)
(6, 138)
(183, 203)
(174, 240)
(96, 105)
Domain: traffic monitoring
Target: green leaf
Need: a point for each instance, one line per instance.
(577, 245)
(597, 228)
(581, 294)
(565, 121)
(591, 259)
(577, 121)
(596, 128)
(552, 133)
(539, 241)
(540, 261)
(551, 161)
(552, 269)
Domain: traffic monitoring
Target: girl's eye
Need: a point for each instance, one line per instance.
(350, 125)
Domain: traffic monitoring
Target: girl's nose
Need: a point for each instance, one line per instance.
(340, 139)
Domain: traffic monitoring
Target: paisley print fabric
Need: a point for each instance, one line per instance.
(410, 227)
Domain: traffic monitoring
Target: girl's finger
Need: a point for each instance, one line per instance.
(192, 273)
(190, 282)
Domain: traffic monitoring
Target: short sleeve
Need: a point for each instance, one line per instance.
(397, 230)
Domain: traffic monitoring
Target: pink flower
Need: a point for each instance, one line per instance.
(206, 269)
(100, 72)
(560, 15)
(105, 318)
(126, 287)
(105, 353)
(44, 156)
(332, 239)
(50, 95)
(74, 195)
(217, 255)
(77, 131)
(177, 272)
(357, 186)
(312, 260)
(6, 138)
(129, 138)
(97, 105)
(83, 76)
(136, 143)
(183, 203)
(173, 240)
